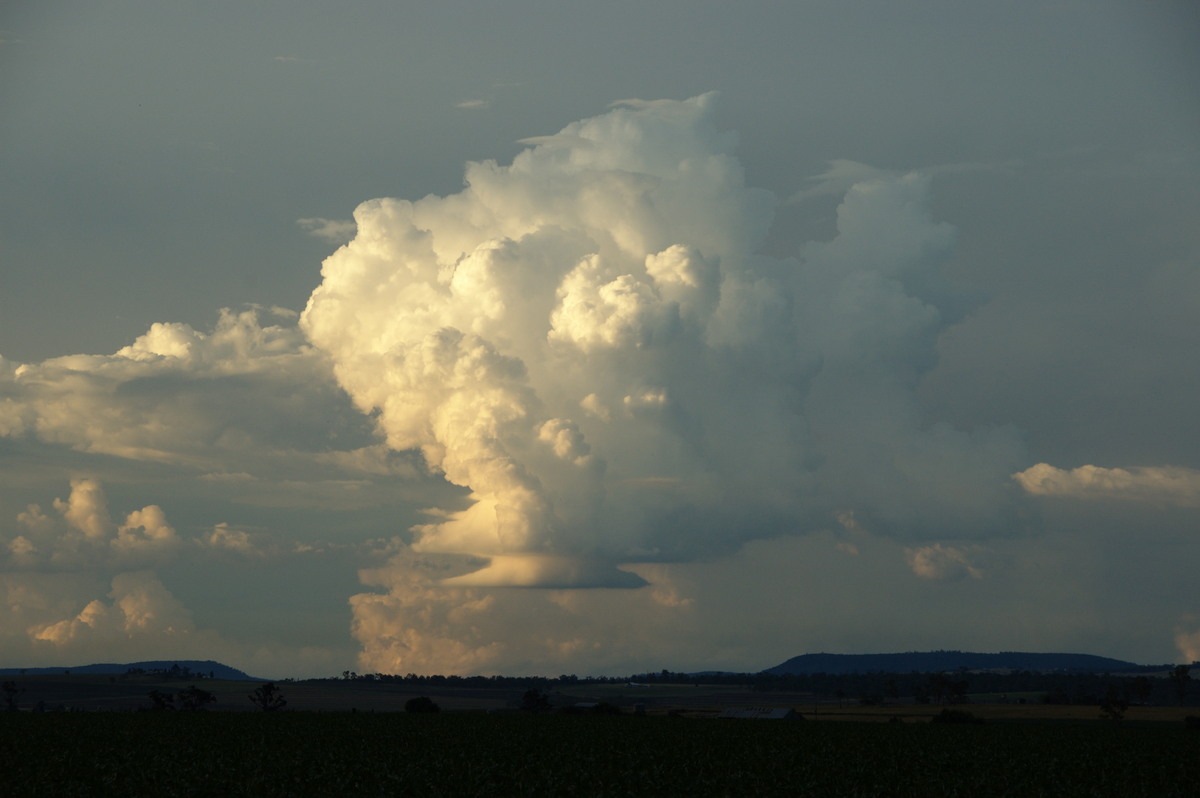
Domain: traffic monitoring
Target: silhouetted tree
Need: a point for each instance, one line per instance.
(11, 691)
(1142, 688)
(891, 689)
(939, 683)
(421, 704)
(160, 701)
(1114, 705)
(534, 701)
(268, 698)
(955, 716)
(194, 699)
(1180, 678)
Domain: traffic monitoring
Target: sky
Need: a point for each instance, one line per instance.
(540, 337)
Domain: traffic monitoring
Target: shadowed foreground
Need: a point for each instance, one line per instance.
(161, 754)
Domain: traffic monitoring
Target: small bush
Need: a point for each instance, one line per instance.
(421, 704)
(268, 698)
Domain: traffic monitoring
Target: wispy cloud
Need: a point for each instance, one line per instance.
(338, 231)
(941, 562)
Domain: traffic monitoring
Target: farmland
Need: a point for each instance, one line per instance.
(353, 737)
(128, 692)
(363, 753)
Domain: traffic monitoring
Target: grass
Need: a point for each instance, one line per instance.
(296, 754)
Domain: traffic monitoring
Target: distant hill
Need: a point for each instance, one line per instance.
(936, 661)
(201, 668)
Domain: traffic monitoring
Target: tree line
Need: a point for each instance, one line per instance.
(1082, 688)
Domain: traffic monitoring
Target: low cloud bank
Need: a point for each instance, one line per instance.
(1170, 486)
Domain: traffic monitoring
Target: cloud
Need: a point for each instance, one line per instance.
(592, 343)
(471, 104)
(839, 177)
(419, 624)
(843, 173)
(55, 620)
(223, 537)
(141, 607)
(1166, 486)
(245, 392)
(540, 570)
(338, 231)
(1187, 640)
(941, 563)
(79, 533)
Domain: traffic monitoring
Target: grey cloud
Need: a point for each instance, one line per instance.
(243, 392)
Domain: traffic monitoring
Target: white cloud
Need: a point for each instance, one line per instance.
(244, 393)
(616, 265)
(80, 534)
(1166, 486)
(140, 607)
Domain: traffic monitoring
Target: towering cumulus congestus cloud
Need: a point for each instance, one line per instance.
(590, 342)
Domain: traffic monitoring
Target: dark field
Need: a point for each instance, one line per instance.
(364, 753)
(93, 692)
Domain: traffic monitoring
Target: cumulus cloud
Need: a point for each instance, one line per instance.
(592, 345)
(246, 392)
(140, 606)
(79, 532)
(591, 342)
(1167, 486)
(52, 619)
(55, 563)
(223, 537)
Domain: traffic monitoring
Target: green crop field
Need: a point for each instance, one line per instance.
(316, 753)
